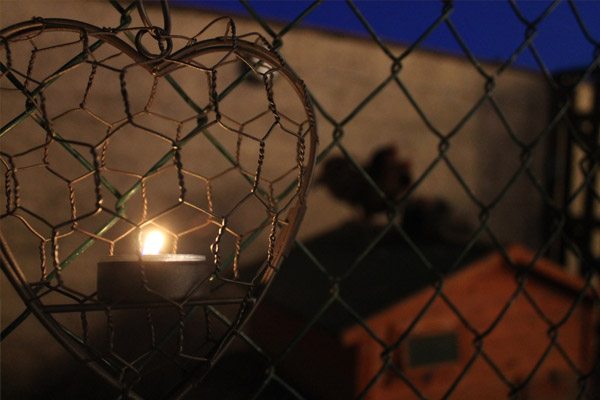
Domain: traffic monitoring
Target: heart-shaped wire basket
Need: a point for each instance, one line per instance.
(212, 143)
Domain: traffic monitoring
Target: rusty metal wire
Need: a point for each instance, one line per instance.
(85, 181)
(562, 235)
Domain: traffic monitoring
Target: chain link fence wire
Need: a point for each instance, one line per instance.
(407, 302)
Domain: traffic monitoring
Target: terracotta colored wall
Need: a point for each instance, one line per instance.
(515, 344)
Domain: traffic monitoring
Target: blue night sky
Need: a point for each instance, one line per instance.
(491, 29)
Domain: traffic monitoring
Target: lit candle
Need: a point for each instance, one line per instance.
(172, 276)
(153, 243)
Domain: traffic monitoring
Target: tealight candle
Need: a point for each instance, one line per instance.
(172, 276)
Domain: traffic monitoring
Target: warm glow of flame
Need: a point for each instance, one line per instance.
(153, 242)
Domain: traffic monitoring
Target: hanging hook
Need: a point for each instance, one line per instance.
(166, 16)
(162, 35)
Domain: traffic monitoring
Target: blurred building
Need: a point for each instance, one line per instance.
(465, 336)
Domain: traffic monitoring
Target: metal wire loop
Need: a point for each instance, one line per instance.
(165, 11)
(165, 43)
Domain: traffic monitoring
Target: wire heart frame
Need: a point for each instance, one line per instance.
(101, 140)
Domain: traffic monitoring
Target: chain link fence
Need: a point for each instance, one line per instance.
(450, 247)
(344, 301)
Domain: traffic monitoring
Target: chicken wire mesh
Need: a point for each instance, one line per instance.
(333, 286)
(139, 165)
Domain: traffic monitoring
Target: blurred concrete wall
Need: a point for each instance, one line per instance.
(340, 71)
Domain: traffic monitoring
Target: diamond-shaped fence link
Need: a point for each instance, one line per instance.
(469, 267)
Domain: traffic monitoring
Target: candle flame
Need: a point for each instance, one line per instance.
(153, 242)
